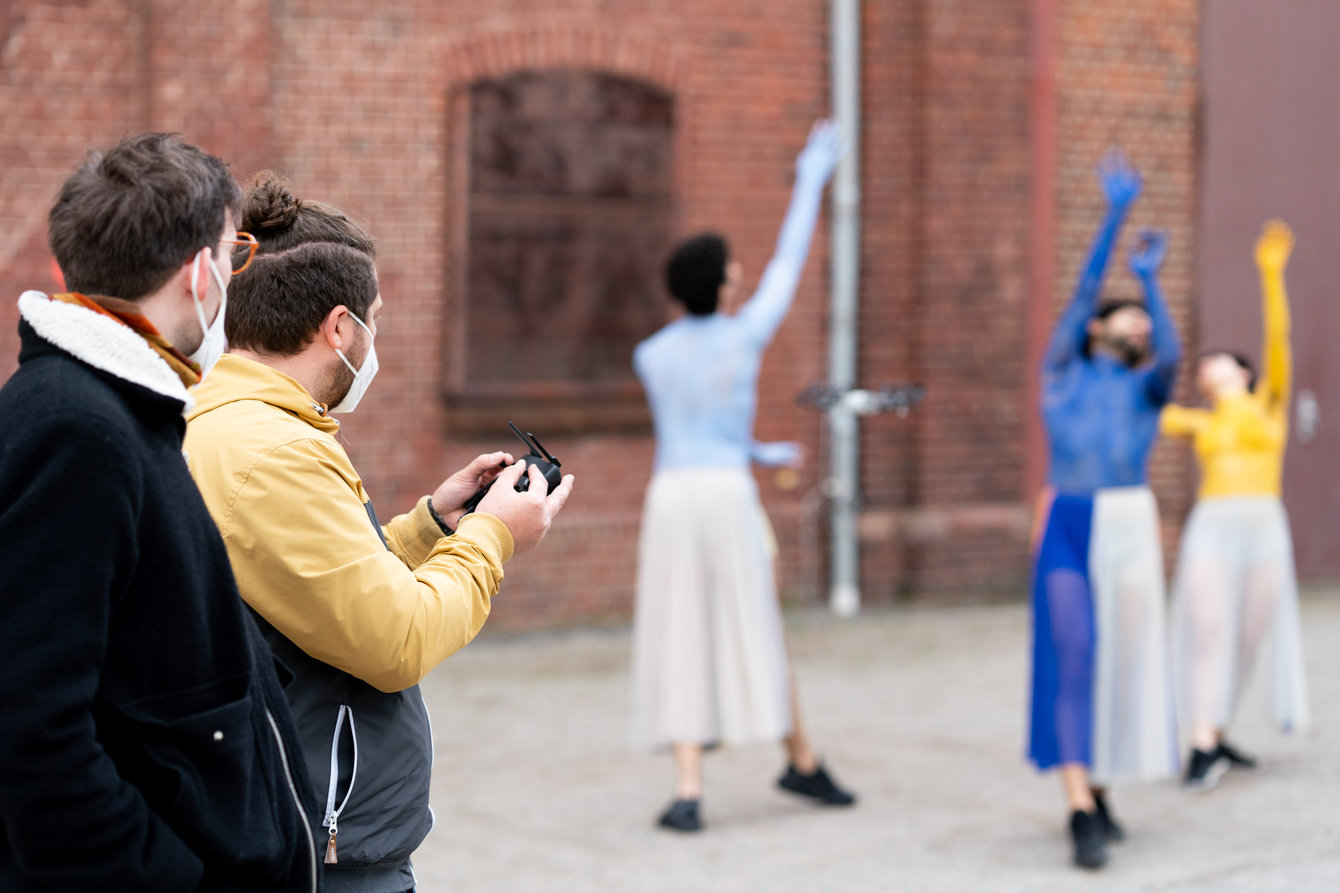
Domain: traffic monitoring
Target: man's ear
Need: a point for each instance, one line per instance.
(330, 327)
(1094, 328)
(201, 272)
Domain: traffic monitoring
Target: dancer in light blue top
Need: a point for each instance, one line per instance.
(709, 661)
(701, 371)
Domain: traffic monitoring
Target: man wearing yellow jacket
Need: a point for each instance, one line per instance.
(357, 612)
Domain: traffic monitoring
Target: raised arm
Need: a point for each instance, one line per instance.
(1272, 256)
(764, 312)
(1146, 258)
(1121, 184)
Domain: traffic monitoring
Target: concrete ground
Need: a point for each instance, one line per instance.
(921, 711)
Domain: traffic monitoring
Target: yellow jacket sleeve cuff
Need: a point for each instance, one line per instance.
(413, 535)
(488, 533)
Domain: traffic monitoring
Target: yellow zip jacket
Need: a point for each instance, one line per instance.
(305, 545)
(1240, 442)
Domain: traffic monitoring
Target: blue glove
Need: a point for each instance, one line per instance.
(1120, 180)
(1147, 254)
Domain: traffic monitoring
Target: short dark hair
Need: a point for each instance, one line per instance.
(1107, 308)
(1241, 359)
(128, 218)
(280, 220)
(277, 306)
(695, 272)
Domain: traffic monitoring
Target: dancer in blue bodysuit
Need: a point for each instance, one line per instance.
(1100, 701)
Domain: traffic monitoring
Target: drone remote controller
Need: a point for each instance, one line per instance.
(538, 456)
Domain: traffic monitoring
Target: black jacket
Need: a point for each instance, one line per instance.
(145, 742)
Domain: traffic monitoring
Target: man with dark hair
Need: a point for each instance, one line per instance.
(147, 745)
(1100, 695)
(360, 612)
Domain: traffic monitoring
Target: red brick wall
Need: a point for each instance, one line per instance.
(70, 76)
(1129, 76)
(352, 100)
(947, 185)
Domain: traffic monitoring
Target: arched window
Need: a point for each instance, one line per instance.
(562, 214)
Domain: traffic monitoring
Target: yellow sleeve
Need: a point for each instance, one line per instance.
(310, 561)
(1276, 356)
(413, 535)
(1181, 421)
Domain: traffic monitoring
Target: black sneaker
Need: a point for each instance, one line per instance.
(1205, 769)
(1086, 829)
(817, 785)
(1111, 830)
(682, 815)
(1236, 758)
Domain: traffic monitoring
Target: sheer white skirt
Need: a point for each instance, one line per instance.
(1235, 606)
(709, 660)
(1133, 733)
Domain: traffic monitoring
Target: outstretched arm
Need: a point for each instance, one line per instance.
(764, 312)
(1121, 184)
(1272, 256)
(1146, 258)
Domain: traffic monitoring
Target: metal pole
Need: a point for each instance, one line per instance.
(844, 455)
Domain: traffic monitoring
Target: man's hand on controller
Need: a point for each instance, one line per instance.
(529, 514)
(449, 498)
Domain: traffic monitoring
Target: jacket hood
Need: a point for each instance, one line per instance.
(236, 378)
(102, 343)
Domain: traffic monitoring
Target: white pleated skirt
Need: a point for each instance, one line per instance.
(709, 659)
(1235, 608)
(1134, 735)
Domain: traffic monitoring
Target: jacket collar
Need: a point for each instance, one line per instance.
(103, 343)
(236, 378)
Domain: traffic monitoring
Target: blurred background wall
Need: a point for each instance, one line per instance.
(526, 166)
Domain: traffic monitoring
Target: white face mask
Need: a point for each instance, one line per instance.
(215, 342)
(362, 377)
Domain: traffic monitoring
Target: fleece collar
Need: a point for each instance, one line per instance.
(103, 343)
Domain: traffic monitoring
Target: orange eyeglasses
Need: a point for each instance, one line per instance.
(243, 239)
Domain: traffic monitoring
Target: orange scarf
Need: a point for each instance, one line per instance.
(128, 313)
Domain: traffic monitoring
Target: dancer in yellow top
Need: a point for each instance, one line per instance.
(1235, 580)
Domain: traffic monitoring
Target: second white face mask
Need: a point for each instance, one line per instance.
(362, 377)
(215, 341)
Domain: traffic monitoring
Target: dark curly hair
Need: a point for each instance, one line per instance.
(695, 272)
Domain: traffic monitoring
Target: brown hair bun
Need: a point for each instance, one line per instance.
(280, 220)
(270, 204)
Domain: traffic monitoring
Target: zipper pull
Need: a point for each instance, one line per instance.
(331, 858)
